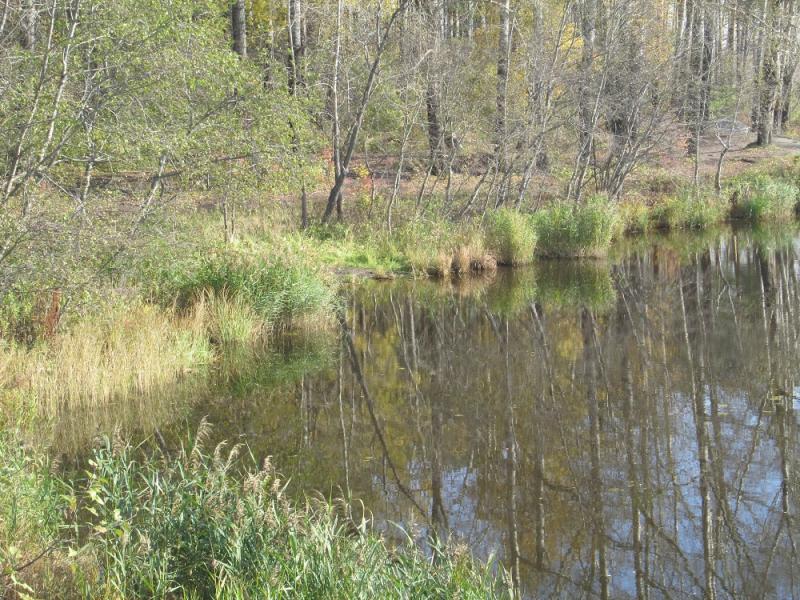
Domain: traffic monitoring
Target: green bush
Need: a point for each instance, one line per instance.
(759, 198)
(689, 209)
(510, 237)
(568, 230)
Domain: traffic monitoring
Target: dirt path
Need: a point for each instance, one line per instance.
(788, 145)
(742, 155)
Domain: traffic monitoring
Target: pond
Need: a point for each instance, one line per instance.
(623, 428)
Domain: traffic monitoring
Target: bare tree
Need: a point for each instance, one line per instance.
(343, 152)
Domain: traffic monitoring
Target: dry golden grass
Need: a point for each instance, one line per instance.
(124, 351)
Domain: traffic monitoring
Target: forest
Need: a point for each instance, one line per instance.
(196, 197)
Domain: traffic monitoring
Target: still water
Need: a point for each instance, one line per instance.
(617, 429)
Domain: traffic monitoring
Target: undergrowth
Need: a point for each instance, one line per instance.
(209, 524)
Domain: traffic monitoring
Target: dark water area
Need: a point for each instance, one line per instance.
(617, 429)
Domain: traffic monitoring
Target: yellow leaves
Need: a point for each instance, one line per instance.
(571, 39)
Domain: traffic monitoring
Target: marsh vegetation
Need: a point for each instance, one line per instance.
(575, 377)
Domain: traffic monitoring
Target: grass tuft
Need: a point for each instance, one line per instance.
(230, 319)
(761, 198)
(510, 237)
(213, 525)
(280, 293)
(689, 209)
(567, 230)
(439, 248)
(32, 505)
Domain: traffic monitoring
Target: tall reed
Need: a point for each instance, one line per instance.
(115, 353)
(569, 230)
(510, 237)
(198, 526)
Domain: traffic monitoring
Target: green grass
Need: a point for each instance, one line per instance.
(510, 238)
(439, 247)
(634, 217)
(230, 319)
(202, 524)
(689, 209)
(567, 230)
(281, 292)
(761, 198)
(32, 507)
(341, 246)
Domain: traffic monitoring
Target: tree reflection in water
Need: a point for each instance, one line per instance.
(622, 430)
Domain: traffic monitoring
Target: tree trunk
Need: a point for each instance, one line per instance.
(788, 65)
(503, 51)
(28, 21)
(770, 76)
(296, 45)
(587, 100)
(783, 109)
(436, 140)
(699, 78)
(343, 155)
(239, 27)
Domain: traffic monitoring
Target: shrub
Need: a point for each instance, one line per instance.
(762, 198)
(510, 237)
(18, 315)
(568, 230)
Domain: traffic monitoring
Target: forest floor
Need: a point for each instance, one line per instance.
(667, 168)
(742, 155)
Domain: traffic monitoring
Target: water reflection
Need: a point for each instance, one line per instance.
(621, 430)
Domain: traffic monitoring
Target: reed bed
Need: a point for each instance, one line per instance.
(569, 230)
(690, 209)
(211, 524)
(510, 237)
(763, 198)
(116, 353)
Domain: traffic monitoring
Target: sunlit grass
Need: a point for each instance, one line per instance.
(760, 198)
(117, 352)
(230, 320)
(439, 248)
(202, 524)
(32, 505)
(569, 230)
(689, 209)
(510, 237)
